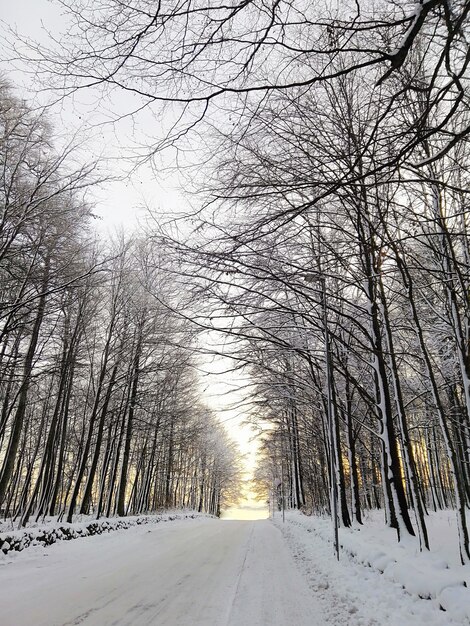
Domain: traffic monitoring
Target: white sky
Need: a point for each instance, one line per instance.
(119, 203)
(122, 203)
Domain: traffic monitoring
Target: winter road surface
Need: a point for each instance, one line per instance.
(204, 572)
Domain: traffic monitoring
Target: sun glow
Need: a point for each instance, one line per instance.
(245, 513)
(223, 391)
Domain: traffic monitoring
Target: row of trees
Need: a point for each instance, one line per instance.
(334, 246)
(340, 258)
(100, 404)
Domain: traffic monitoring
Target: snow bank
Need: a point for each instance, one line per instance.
(52, 531)
(434, 576)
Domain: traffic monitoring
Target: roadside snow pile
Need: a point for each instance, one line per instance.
(436, 576)
(52, 531)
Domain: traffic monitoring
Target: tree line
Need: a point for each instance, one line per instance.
(332, 246)
(350, 311)
(101, 411)
(333, 249)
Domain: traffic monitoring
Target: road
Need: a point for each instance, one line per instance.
(181, 573)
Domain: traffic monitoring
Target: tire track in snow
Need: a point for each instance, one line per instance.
(247, 547)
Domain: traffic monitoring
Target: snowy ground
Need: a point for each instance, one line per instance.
(234, 573)
(378, 581)
(49, 530)
(188, 572)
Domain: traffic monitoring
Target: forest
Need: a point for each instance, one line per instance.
(329, 245)
(101, 408)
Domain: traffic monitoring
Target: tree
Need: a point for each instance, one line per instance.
(41, 209)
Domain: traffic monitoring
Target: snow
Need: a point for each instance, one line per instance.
(204, 571)
(385, 582)
(49, 530)
(187, 572)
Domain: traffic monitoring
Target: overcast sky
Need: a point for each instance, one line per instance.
(119, 203)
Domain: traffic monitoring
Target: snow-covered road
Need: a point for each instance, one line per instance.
(206, 572)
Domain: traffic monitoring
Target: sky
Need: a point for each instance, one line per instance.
(123, 203)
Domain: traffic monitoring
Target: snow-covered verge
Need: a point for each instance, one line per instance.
(381, 581)
(51, 531)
